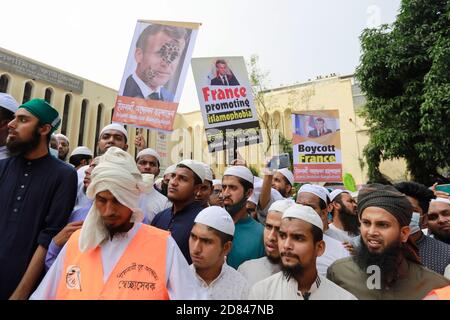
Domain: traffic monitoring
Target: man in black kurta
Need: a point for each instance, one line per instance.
(37, 194)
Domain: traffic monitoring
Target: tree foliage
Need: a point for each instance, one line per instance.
(404, 73)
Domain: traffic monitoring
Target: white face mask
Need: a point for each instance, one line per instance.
(414, 224)
(54, 152)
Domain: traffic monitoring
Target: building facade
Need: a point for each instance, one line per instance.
(86, 107)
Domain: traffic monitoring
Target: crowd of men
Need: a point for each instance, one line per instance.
(105, 228)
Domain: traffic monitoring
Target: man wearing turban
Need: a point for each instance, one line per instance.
(386, 265)
(115, 256)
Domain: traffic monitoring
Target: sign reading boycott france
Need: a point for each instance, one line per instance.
(317, 146)
(154, 74)
(226, 102)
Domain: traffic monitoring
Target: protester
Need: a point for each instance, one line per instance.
(317, 197)
(258, 269)
(203, 194)
(237, 186)
(80, 157)
(439, 219)
(36, 200)
(8, 106)
(345, 225)
(300, 243)
(210, 241)
(386, 265)
(63, 146)
(216, 199)
(179, 218)
(103, 260)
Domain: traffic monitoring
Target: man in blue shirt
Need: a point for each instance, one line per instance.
(237, 187)
(37, 194)
(179, 218)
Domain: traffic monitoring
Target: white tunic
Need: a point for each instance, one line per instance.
(338, 234)
(4, 153)
(277, 287)
(153, 203)
(179, 280)
(82, 200)
(334, 250)
(229, 285)
(258, 269)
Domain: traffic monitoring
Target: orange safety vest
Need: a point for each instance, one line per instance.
(442, 293)
(140, 273)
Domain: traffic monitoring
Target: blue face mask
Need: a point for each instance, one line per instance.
(54, 152)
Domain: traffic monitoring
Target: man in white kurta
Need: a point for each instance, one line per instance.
(258, 269)
(300, 243)
(117, 174)
(209, 242)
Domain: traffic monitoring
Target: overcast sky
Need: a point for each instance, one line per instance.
(295, 39)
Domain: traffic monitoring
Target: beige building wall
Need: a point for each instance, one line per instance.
(188, 140)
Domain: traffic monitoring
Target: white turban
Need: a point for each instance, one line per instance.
(82, 150)
(288, 175)
(241, 172)
(170, 169)
(116, 172)
(117, 127)
(305, 213)
(217, 218)
(196, 166)
(8, 102)
(281, 205)
(61, 136)
(442, 200)
(335, 193)
(149, 152)
(319, 191)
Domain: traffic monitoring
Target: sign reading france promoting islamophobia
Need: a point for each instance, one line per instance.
(226, 102)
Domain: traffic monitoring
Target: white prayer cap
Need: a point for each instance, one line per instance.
(281, 205)
(241, 172)
(217, 182)
(8, 102)
(287, 174)
(305, 213)
(443, 200)
(170, 169)
(336, 192)
(254, 198)
(149, 152)
(117, 127)
(196, 166)
(61, 136)
(82, 150)
(208, 172)
(217, 218)
(319, 191)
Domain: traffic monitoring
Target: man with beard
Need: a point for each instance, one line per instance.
(114, 256)
(300, 243)
(439, 219)
(8, 106)
(63, 146)
(179, 218)
(170, 170)
(386, 265)
(258, 269)
(345, 225)
(317, 197)
(434, 254)
(37, 195)
(210, 241)
(281, 180)
(237, 187)
(152, 202)
(216, 199)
